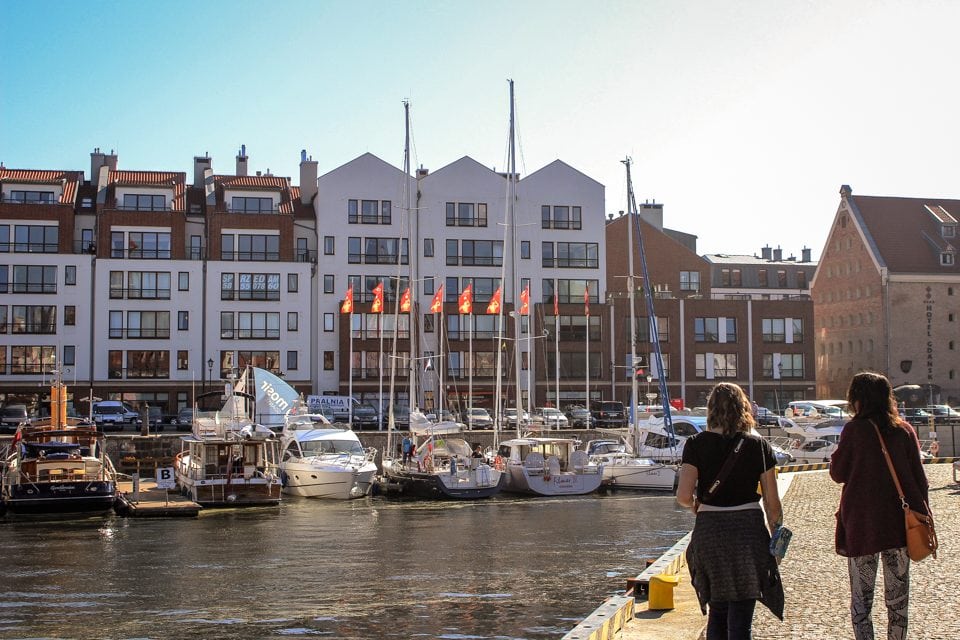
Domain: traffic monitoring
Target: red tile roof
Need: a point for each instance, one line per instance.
(69, 180)
(903, 231)
(263, 183)
(176, 180)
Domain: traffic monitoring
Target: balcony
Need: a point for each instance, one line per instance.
(139, 333)
(140, 293)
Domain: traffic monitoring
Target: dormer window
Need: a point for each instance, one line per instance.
(948, 230)
(240, 204)
(143, 202)
(32, 197)
(946, 259)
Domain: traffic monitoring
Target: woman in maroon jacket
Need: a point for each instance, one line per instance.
(870, 523)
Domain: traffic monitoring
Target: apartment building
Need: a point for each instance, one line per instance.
(887, 296)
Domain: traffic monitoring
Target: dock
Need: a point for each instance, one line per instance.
(814, 578)
(153, 502)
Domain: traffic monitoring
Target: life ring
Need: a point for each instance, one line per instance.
(935, 448)
(498, 463)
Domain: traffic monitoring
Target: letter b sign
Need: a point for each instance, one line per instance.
(165, 479)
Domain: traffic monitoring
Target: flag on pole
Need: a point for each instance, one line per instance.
(556, 304)
(493, 307)
(377, 306)
(525, 301)
(405, 301)
(465, 304)
(347, 306)
(586, 301)
(436, 305)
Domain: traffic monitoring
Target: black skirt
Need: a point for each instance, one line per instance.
(729, 559)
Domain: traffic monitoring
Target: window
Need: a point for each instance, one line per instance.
(183, 281)
(762, 278)
(269, 360)
(706, 330)
(560, 217)
(573, 365)
(293, 321)
(33, 319)
(69, 355)
(138, 244)
(148, 364)
(31, 359)
(328, 245)
(250, 286)
(328, 360)
(69, 315)
(781, 278)
(115, 364)
(183, 360)
(328, 322)
(140, 285)
(716, 365)
(736, 278)
(428, 247)
(3, 326)
(774, 329)
(428, 323)
(195, 249)
(689, 281)
(369, 212)
(33, 279)
(790, 365)
(730, 325)
(524, 249)
(183, 320)
(571, 254)
(466, 214)
(227, 325)
(949, 230)
(292, 360)
(143, 202)
(36, 238)
(140, 324)
(302, 252)
(798, 329)
(644, 329)
(293, 282)
(570, 291)
(724, 277)
(258, 325)
(4, 238)
(946, 258)
(329, 282)
(801, 279)
(477, 253)
(241, 204)
(32, 197)
(256, 247)
(69, 275)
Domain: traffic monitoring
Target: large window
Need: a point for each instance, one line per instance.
(570, 291)
(140, 324)
(148, 364)
(139, 244)
(706, 330)
(328, 282)
(689, 281)
(573, 328)
(250, 286)
(716, 365)
(377, 250)
(32, 197)
(33, 279)
(258, 325)
(571, 255)
(560, 217)
(36, 238)
(241, 204)
(269, 360)
(140, 285)
(31, 359)
(143, 202)
(573, 365)
(466, 214)
(790, 365)
(644, 329)
(787, 330)
(249, 247)
(369, 212)
(33, 319)
(475, 253)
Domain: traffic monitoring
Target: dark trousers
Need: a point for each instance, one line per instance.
(730, 620)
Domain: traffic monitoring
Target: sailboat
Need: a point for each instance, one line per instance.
(229, 460)
(442, 465)
(58, 465)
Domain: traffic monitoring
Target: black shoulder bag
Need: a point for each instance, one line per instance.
(724, 471)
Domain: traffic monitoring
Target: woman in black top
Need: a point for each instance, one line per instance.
(729, 553)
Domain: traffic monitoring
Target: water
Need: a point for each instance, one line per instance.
(505, 568)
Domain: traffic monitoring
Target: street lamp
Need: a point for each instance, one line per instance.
(209, 372)
(780, 399)
(649, 379)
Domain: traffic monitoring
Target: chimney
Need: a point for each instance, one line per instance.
(200, 165)
(422, 172)
(805, 255)
(845, 191)
(652, 213)
(778, 254)
(242, 161)
(96, 161)
(308, 177)
(765, 253)
(110, 160)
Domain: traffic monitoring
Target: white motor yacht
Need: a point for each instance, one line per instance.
(547, 467)
(624, 470)
(323, 461)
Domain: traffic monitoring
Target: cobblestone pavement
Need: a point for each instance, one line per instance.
(815, 578)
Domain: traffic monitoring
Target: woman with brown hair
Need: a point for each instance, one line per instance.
(729, 557)
(870, 524)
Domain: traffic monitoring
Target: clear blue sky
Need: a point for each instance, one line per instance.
(743, 118)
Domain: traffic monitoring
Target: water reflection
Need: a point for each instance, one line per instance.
(501, 568)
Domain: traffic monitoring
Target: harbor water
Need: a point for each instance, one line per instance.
(507, 567)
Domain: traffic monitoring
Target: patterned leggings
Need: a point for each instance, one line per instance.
(896, 592)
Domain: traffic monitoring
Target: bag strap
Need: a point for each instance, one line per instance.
(893, 472)
(724, 470)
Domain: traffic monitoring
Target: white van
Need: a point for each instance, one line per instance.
(114, 413)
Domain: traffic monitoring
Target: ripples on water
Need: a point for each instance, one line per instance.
(505, 568)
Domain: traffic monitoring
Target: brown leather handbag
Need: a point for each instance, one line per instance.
(921, 534)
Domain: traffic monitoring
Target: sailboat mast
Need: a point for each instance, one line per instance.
(632, 290)
(412, 255)
(514, 283)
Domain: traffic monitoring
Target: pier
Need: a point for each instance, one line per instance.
(814, 578)
(151, 502)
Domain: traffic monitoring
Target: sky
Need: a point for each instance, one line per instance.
(743, 118)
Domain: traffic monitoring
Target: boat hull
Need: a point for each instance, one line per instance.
(309, 481)
(653, 477)
(470, 484)
(534, 482)
(90, 497)
(219, 494)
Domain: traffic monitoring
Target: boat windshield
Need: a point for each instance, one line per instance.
(322, 447)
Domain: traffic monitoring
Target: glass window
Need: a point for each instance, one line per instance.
(773, 329)
(226, 247)
(226, 325)
(36, 239)
(69, 315)
(428, 247)
(183, 320)
(762, 278)
(328, 322)
(329, 282)
(183, 281)
(195, 249)
(690, 281)
(328, 360)
(32, 197)
(292, 360)
(525, 249)
(183, 360)
(69, 355)
(706, 330)
(69, 275)
(34, 279)
(143, 202)
(293, 282)
(293, 321)
(4, 238)
(731, 329)
(251, 205)
(328, 245)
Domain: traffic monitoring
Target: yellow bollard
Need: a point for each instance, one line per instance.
(661, 591)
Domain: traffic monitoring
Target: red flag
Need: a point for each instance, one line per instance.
(377, 306)
(556, 304)
(586, 301)
(436, 305)
(405, 301)
(493, 307)
(525, 301)
(465, 304)
(347, 306)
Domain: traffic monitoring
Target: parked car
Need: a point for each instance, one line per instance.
(818, 408)
(510, 417)
(184, 419)
(916, 416)
(551, 418)
(766, 417)
(365, 416)
(610, 414)
(11, 416)
(581, 418)
(111, 415)
(478, 418)
(943, 414)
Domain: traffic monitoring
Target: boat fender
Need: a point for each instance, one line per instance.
(498, 463)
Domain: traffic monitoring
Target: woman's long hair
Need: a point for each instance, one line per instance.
(729, 410)
(871, 396)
